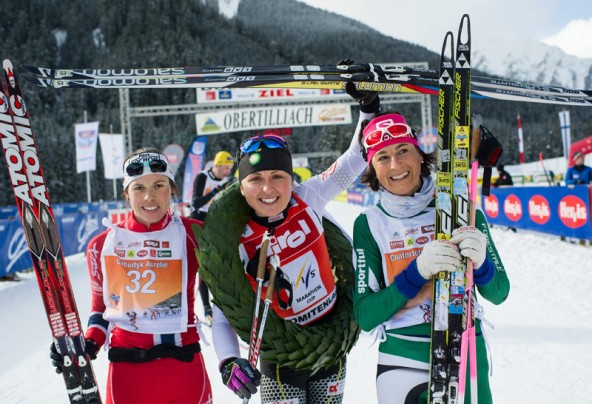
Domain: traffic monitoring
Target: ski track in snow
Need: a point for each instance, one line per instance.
(540, 345)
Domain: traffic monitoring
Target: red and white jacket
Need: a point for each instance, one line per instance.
(307, 207)
(143, 283)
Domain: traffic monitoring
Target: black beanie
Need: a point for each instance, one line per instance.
(264, 159)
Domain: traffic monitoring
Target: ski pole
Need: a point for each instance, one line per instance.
(544, 170)
(260, 277)
(274, 261)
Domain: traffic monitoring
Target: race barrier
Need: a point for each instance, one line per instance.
(77, 224)
(564, 211)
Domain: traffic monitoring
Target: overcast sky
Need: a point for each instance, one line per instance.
(566, 24)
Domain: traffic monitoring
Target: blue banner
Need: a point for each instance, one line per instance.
(77, 224)
(563, 211)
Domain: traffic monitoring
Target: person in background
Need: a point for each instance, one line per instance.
(396, 258)
(579, 173)
(210, 182)
(205, 186)
(143, 272)
(503, 177)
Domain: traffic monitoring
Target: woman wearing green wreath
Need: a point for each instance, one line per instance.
(290, 216)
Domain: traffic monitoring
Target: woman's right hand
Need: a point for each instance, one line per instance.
(240, 377)
(437, 256)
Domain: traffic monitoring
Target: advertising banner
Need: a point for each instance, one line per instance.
(563, 211)
(216, 96)
(248, 119)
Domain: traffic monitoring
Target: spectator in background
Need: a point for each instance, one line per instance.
(503, 177)
(208, 183)
(579, 173)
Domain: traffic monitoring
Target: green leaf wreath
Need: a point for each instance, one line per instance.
(311, 347)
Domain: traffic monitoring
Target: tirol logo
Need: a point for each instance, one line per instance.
(573, 211)
(539, 209)
(290, 239)
(491, 206)
(513, 208)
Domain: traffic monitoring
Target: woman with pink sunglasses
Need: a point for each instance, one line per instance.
(397, 256)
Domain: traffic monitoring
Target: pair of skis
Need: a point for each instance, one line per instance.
(452, 322)
(32, 200)
(369, 77)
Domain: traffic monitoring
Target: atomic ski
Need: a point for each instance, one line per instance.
(32, 200)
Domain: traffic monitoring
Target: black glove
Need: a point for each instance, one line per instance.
(369, 100)
(90, 347)
(240, 377)
(253, 265)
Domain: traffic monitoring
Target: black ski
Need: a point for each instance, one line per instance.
(32, 200)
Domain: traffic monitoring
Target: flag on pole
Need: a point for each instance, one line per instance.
(112, 150)
(520, 140)
(564, 124)
(194, 163)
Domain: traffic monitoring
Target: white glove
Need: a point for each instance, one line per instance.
(437, 256)
(227, 180)
(476, 121)
(472, 244)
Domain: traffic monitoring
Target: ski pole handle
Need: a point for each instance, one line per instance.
(274, 261)
(263, 258)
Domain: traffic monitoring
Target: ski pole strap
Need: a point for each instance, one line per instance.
(137, 355)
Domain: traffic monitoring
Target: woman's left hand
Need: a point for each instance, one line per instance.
(472, 244)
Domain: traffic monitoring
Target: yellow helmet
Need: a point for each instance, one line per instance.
(223, 158)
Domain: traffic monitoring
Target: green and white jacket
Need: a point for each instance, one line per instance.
(390, 296)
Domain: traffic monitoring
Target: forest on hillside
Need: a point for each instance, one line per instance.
(166, 33)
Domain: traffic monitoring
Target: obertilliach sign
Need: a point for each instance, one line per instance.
(246, 119)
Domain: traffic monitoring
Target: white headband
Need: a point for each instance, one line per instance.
(145, 159)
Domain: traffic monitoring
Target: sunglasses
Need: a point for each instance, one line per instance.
(137, 168)
(254, 143)
(393, 131)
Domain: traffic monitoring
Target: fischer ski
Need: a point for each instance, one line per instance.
(461, 207)
(453, 210)
(438, 379)
(32, 200)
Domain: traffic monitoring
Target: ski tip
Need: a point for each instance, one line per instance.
(7, 65)
(38, 71)
(38, 81)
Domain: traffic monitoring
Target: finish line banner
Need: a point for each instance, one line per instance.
(248, 119)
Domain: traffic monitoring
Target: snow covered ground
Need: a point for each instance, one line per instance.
(541, 344)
